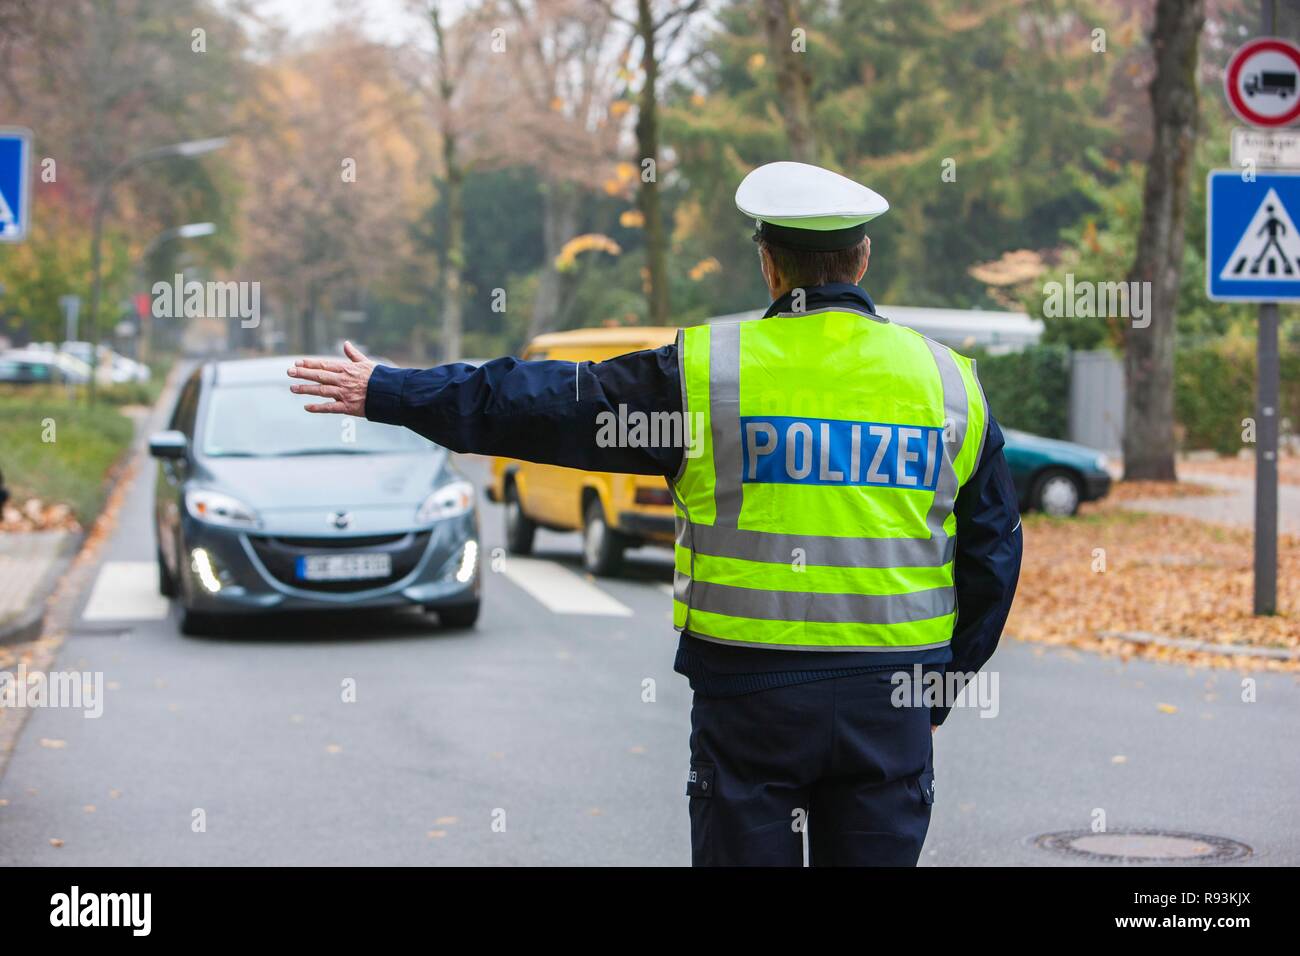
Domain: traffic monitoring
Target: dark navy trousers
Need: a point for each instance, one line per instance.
(834, 756)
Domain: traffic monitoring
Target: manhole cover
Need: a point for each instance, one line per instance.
(1144, 846)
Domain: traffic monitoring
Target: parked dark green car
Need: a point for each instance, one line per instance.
(1054, 476)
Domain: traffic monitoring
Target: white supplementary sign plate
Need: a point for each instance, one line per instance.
(1266, 148)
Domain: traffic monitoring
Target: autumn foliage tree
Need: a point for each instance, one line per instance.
(330, 191)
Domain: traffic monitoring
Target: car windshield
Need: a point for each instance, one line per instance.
(268, 421)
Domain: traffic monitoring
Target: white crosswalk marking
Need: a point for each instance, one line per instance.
(126, 591)
(560, 590)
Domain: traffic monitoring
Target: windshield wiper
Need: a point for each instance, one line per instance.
(303, 452)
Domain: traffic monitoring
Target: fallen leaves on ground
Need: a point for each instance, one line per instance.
(36, 515)
(1163, 574)
(1136, 490)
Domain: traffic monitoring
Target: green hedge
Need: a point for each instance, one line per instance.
(1214, 390)
(1029, 389)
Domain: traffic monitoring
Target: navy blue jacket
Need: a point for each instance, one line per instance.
(546, 411)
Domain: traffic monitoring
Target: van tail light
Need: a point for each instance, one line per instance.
(653, 496)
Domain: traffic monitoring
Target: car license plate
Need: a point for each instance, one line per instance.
(344, 567)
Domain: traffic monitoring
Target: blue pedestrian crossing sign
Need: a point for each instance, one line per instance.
(1253, 244)
(15, 180)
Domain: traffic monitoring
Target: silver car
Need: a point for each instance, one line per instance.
(262, 507)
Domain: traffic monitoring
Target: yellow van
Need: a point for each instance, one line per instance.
(613, 512)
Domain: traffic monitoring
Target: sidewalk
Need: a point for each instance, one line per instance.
(31, 563)
(1233, 505)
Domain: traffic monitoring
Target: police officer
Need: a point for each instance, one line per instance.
(848, 525)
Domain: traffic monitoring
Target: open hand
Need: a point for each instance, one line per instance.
(344, 382)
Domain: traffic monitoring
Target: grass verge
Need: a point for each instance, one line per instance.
(72, 467)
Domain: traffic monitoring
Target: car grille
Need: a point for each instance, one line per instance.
(325, 545)
(280, 556)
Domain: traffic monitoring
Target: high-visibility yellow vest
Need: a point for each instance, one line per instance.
(815, 507)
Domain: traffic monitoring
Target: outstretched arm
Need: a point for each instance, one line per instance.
(555, 413)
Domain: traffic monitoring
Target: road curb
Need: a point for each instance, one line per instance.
(27, 626)
(1208, 647)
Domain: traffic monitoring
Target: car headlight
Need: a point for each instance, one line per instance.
(449, 501)
(1101, 463)
(216, 508)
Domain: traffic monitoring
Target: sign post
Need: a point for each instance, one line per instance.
(1262, 83)
(1253, 255)
(1269, 372)
(71, 307)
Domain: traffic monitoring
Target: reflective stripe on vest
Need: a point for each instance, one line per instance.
(818, 513)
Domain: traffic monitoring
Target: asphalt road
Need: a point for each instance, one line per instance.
(528, 741)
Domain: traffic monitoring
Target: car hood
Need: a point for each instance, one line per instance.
(327, 481)
(1062, 451)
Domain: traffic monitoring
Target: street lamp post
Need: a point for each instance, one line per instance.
(191, 230)
(190, 148)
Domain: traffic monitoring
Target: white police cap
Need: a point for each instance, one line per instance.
(807, 207)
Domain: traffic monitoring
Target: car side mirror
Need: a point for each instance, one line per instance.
(169, 444)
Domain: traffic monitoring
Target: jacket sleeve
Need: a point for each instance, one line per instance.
(987, 563)
(554, 413)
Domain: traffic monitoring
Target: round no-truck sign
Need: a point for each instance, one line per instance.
(1263, 82)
